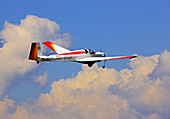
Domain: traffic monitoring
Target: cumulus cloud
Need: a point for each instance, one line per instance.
(16, 45)
(42, 79)
(141, 92)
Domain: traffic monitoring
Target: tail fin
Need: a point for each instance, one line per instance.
(56, 48)
(35, 51)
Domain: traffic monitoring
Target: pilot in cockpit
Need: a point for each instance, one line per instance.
(89, 51)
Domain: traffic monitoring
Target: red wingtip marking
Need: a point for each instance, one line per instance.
(49, 44)
(125, 57)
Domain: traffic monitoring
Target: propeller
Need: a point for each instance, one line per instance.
(104, 60)
(101, 50)
(104, 65)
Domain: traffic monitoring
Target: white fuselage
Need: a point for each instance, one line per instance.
(85, 56)
(72, 57)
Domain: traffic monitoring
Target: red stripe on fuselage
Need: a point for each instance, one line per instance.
(73, 53)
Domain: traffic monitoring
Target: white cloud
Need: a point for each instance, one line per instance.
(17, 39)
(140, 92)
(104, 93)
(42, 79)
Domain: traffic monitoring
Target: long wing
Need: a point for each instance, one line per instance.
(56, 48)
(104, 58)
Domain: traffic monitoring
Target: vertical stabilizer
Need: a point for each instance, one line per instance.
(39, 53)
(56, 48)
(35, 51)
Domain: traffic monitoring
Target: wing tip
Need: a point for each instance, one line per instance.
(133, 57)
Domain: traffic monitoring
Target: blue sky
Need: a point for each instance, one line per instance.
(126, 27)
(117, 27)
(123, 27)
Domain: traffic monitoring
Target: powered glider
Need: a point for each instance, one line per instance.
(85, 56)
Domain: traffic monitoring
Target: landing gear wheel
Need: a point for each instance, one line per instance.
(90, 65)
(104, 64)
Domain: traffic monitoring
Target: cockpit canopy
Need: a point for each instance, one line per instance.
(89, 51)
